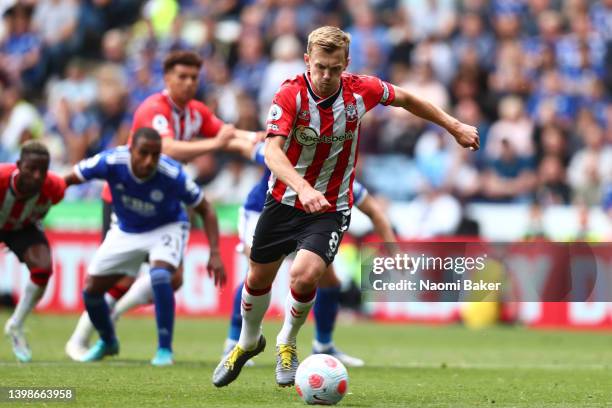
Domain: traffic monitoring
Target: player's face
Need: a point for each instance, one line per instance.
(325, 69)
(32, 173)
(182, 83)
(145, 157)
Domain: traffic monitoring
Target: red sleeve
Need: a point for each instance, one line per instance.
(283, 110)
(211, 124)
(374, 91)
(54, 187)
(154, 115)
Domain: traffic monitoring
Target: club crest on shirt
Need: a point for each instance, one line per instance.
(306, 136)
(275, 112)
(157, 195)
(351, 113)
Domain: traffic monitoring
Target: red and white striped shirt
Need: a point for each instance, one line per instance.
(323, 134)
(160, 113)
(16, 213)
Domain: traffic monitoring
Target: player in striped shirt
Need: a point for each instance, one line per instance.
(27, 191)
(328, 293)
(311, 149)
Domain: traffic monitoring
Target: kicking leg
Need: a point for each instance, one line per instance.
(255, 301)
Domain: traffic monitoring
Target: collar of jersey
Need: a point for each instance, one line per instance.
(172, 103)
(13, 185)
(136, 179)
(324, 103)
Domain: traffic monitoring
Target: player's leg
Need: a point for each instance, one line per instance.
(99, 315)
(166, 255)
(247, 222)
(325, 313)
(255, 299)
(78, 344)
(120, 254)
(32, 248)
(274, 238)
(318, 242)
(305, 272)
(233, 334)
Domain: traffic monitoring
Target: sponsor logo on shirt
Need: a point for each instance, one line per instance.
(307, 136)
(138, 206)
(272, 126)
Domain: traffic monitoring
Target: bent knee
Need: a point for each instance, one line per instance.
(40, 275)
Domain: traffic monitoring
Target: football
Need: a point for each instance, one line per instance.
(321, 380)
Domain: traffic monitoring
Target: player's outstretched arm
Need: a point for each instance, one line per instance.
(186, 151)
(465, 135)
(245, 143)
(72, 179)
(215, 266)
(277, 161)
(382, 225)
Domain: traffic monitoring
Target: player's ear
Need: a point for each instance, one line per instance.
(348, 62)
(307, 61)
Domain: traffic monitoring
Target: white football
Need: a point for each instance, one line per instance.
(321, 380)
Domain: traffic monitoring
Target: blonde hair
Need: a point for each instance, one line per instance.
(330, 39)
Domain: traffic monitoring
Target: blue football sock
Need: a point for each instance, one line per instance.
(236, 318)
(163, 296)
(325, 312)
(99, 314)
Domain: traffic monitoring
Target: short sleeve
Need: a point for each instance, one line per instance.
(153, 116)
(359, 193)
(211, 124)
(189, 192)
(283, 111)
(94, 167)
(259, 153)
(57, 187)
(375, 91)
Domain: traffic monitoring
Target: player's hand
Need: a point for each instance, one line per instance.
(225, 134)
(216, 269)
(313, 201)
(466, 136)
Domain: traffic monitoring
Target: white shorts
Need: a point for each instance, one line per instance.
(247, 221)
(124, 252)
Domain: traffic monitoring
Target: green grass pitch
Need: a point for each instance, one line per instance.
(407, 366)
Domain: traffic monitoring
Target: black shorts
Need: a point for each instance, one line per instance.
(282, 229)
(20, 240)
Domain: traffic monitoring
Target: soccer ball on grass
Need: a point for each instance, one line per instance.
(321, 380)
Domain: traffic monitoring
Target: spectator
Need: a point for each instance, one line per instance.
(590, 168)
(55, 21)
(19, 122)
(552, 186)
(509, 177)
(21, 55)
(513, 127)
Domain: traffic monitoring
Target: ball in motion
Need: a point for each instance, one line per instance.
(321, 380)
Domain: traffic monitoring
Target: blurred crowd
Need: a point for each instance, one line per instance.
(535, 77)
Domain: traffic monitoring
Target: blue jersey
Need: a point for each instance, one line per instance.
(257, 196)
(142, 205)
